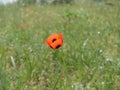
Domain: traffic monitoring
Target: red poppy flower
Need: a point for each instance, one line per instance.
(22, 25)
(55, 41)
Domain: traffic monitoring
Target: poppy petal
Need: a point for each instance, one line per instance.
(51, 38)
(60, 35)
(55, 41)
(56, 44)
(47, 42)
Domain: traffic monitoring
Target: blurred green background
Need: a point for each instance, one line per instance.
(88, 60)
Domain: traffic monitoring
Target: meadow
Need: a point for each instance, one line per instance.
(88, 60)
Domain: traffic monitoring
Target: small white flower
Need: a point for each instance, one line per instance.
(30, 49)
(103, 83)
(98, 32)
(108, 59)
(100, 67)
(78, 86)
(101, 51)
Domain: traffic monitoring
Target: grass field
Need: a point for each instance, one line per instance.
(88, 60)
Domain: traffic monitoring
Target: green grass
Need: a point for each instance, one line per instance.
(88, 60)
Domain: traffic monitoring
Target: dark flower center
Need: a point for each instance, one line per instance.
(57, 46)
(54, 40)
